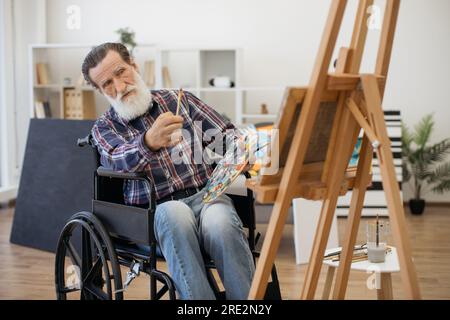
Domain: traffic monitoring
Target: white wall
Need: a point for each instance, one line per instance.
(24, 23)
(6, 99)
(280, 40)
(18, 29)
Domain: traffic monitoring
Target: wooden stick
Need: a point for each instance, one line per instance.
(382, 66)
(368, 131)
(390, 185)
(180, 94)
(329, 204)
(354, 217)
(378, 231)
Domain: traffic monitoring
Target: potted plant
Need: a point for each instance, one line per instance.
(127, 38)
(424, 165)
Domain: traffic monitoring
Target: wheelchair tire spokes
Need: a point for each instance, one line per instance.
(94, 279)
(107, 250)
(74, 256)
(168, 285)
(86, 252)
(94, 271)
(96, 292)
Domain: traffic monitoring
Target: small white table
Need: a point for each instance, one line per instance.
(383, 281)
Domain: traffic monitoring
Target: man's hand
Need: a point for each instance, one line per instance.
(163, 130)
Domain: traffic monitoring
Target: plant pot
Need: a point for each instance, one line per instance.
(417, 206)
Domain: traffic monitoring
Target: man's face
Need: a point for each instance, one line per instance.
(112, 76)
(122, 86)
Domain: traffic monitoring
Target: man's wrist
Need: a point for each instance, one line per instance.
(151, 147)
(149, 144)
(144, 148)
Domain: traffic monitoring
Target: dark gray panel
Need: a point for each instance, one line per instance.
(56, 181)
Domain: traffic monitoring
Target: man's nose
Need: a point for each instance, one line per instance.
(120, 85)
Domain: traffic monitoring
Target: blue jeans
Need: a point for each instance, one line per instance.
(186, 228)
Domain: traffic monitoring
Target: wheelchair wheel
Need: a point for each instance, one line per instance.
(88, 270)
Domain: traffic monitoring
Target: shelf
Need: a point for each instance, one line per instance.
(84, 88)
(61, 86)
(259, 116)
(204, 89)
(217, 89)
(76, 45)
(48, 86)
(262, 88)
(234, 89)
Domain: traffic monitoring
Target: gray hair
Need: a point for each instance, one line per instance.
(98, 53)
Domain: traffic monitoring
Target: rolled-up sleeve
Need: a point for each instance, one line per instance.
(119, 154)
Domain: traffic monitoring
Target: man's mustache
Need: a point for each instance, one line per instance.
(127, 91)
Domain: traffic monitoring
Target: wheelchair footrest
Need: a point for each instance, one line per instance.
(135, 269)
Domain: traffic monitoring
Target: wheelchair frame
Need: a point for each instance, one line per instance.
(109, 238)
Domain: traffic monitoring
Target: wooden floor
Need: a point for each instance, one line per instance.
(28, 273)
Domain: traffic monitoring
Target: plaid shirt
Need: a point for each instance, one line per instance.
(122, 148)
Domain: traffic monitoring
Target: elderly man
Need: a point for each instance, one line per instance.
(137, 134)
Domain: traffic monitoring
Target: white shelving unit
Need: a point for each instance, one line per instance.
(188, 68)
(64, 61)
(254, 96)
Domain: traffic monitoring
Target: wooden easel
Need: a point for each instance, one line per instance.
(316, 144)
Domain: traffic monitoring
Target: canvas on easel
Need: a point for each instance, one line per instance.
(318, 129)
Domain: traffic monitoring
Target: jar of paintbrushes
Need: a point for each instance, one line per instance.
(377, 232)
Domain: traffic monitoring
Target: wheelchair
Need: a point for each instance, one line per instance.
(93, 246)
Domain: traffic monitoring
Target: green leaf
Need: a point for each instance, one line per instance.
(442, 187)
(439, 151)
(407, 139)
(423, 130)
(127, 37)
(405, 172)
(441, 172)
(422, 163)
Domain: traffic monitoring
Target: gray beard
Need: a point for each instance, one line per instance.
(137, 104)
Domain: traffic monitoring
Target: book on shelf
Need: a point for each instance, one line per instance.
(167, 81)
(42, 74)
(79, 104)
(149, 73)
(47, 111)
(42, 109)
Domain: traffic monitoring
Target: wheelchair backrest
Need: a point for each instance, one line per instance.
(106, 189)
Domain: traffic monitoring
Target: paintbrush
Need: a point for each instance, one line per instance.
(378, 232)
(180, 94)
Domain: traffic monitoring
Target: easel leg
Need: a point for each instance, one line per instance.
(385, 292)
(329, 206)
(328, 283)
(269, 249)
(391, 188)
(354, 217)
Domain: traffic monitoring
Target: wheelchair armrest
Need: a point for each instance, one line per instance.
(108, 173)
(105, 172)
